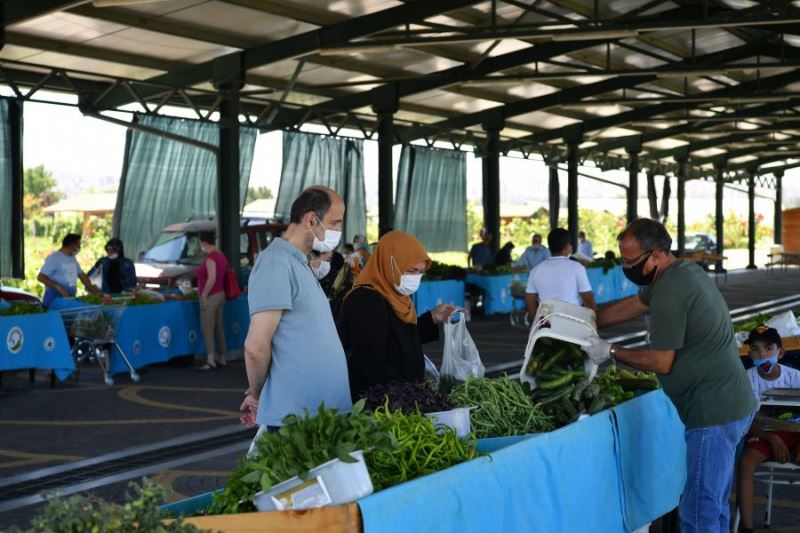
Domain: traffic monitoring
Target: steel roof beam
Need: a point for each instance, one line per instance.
(739, 136)
(235, 64)
(733, 154)
(772, 82)
(14, 11)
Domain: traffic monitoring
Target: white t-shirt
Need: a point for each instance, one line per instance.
(585, 248)
(559, 278)
(789, 379)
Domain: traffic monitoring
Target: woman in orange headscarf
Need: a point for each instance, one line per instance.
(378, 325)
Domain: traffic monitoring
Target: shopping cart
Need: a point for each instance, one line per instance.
(91, 331)
(519, 311)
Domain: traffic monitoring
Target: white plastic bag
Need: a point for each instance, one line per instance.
(461, 359)
(785, 323)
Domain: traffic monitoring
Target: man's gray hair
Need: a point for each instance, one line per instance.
(650, 234)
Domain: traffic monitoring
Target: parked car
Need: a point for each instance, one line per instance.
(12, 294)
(175, 255)
(700, 242)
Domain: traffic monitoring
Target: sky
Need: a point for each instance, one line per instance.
(87, 153)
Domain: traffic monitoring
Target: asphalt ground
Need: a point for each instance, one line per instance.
(81, 419)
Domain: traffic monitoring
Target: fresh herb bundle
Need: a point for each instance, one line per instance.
(303, 443)
(501, 408)
(407, 397)
(22, 308)
(421, 449)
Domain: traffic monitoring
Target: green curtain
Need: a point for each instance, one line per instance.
(6, 194)
(335, 162)
(165, 181)
(432, 197)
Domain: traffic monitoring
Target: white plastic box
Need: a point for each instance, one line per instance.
(457, 418)
(565, 322)
(331, 483)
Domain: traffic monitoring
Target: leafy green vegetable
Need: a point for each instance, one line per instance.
(22, 308)
(753, 323)
(143, 299)
(91, 298)
(502, 408)
(440, 271)
(303, 443)
(140, 512)
(421, 449)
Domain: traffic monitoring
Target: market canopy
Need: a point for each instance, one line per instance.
(717, 78)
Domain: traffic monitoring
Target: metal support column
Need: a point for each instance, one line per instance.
(17, 192)
(751, 218)
(778, 207)
(228, 193)
(491, 183)
(572, 192)
(554, 195)
(633, 183)
(386, 136)
(720, 215)
(681, 204)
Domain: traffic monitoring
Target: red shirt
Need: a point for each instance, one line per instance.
(202, 273)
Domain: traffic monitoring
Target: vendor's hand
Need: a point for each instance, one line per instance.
(442, 312)
(250, 408)
(779, 449)
(599, 351)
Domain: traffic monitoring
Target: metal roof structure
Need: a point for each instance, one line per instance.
(706, 88)
(714, 77)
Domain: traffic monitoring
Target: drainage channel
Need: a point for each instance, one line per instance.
(637, 339)
(35, 487)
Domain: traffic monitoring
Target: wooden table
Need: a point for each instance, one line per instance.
(703, 257)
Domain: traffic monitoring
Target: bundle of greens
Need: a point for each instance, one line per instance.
(422, 449)
(140, 512)
(22, 308)
(407, 397)
(501, 408)
(440, 271)
(303, 443)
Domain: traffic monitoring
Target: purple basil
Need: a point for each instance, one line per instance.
(407, 397)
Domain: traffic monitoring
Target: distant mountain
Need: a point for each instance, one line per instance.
(72, 184)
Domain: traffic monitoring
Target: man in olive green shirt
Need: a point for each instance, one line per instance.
(693, 352)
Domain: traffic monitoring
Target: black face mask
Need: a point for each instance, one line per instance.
(636, 273)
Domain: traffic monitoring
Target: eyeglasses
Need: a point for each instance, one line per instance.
(635, 261)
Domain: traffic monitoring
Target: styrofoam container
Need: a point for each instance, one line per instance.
(562, 321)
(331, 483)
(457, 419)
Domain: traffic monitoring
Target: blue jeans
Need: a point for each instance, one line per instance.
(710, 456)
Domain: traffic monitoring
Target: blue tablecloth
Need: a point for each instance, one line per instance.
(497, 297)
(433, 293)
(158, 332)
(615, 471)
(604, 285)
(623, 286)
(35, 341)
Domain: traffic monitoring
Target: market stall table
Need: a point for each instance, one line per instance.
(35, 341)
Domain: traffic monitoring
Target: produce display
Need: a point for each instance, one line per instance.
(421, 449)
(500, 408)
(144, 299)
(555, 363)
(407, 397)
(303, 443)
(140, 512)
(606, 263)
(22, 308)
(440, 271)
(754, 322)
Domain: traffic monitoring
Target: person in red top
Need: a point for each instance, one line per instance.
(210, 289)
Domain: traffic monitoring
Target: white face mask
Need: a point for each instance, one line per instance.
(113, 256)
(322, 270)
(330, 242)
(409, 283)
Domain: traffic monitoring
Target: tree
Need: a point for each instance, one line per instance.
(40, 191)
(258, 193)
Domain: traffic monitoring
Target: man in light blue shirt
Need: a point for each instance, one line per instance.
(585, 246)
(533, 254)
(293, 355)
(61, 271)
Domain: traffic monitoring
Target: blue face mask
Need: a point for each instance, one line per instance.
(766, 364)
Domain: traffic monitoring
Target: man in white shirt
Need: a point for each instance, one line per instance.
(559, 278)
(533, 254)
(585, 246)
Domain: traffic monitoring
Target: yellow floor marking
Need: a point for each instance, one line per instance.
(167, 480)
(131, 394)
(119, 422)
(30, 459)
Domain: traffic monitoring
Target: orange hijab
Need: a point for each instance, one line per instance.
(382, 274)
